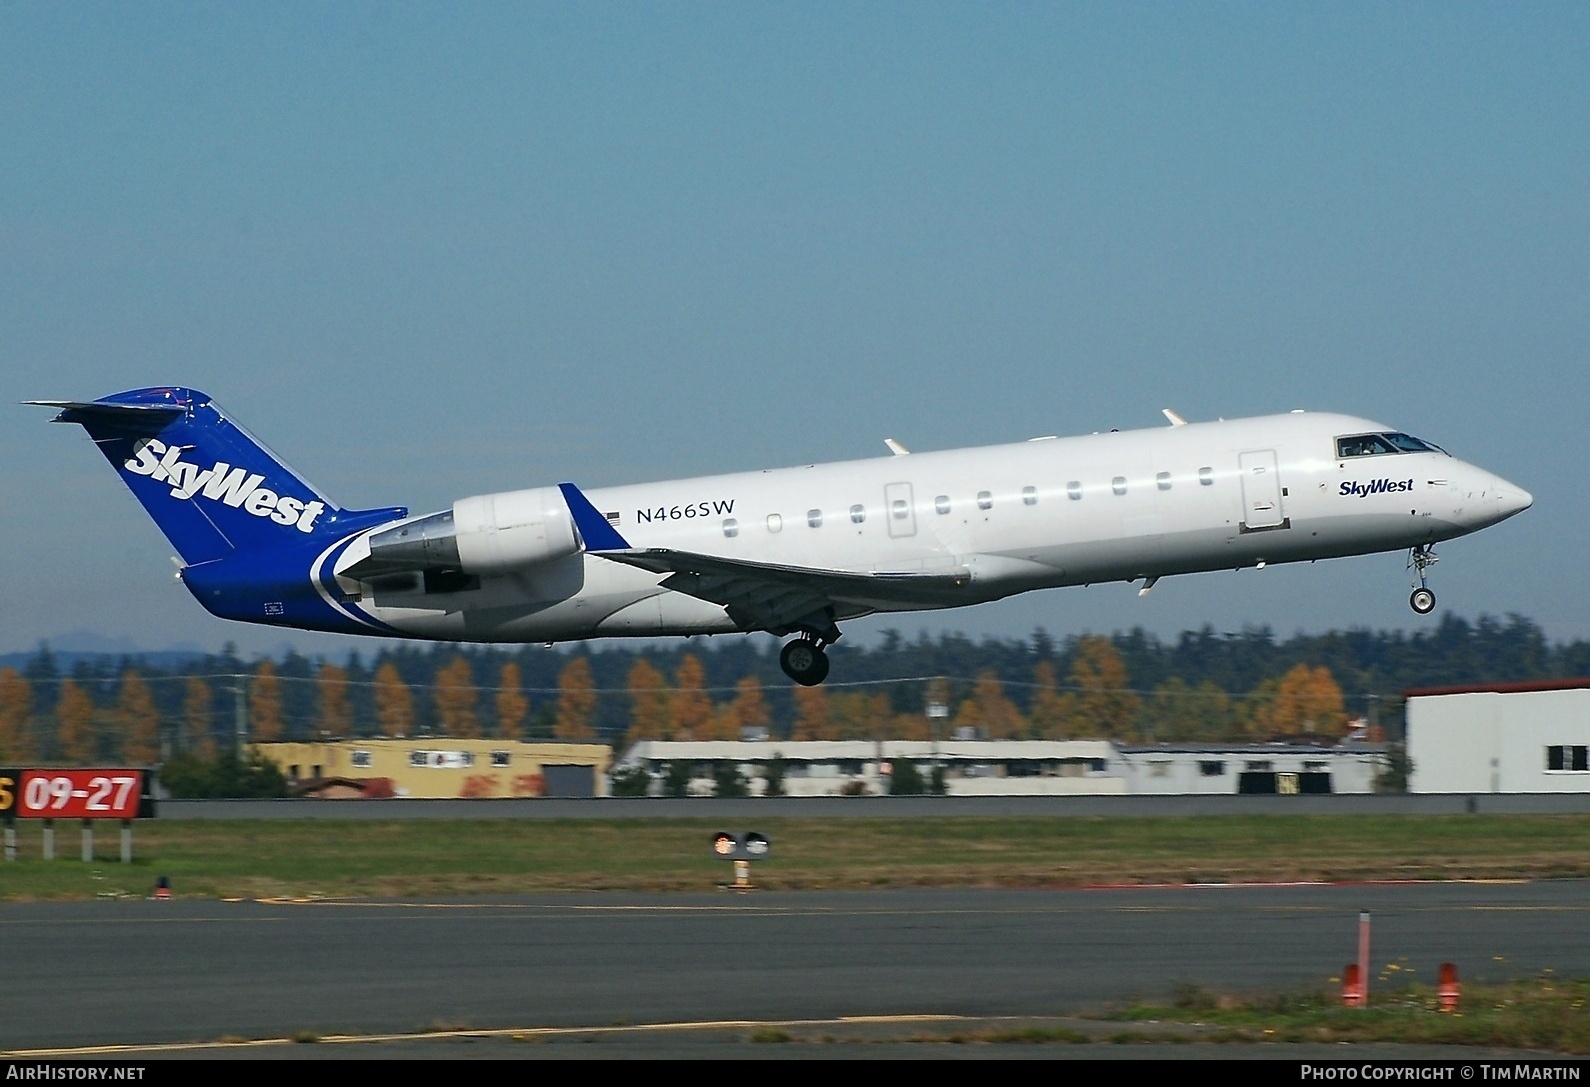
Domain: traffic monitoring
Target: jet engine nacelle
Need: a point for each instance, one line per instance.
(484, 535)
(502, 532)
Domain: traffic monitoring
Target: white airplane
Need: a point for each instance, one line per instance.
(789, 550)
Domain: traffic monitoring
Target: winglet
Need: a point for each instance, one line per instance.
(1175, 420)
(595, 530)
(896, 448)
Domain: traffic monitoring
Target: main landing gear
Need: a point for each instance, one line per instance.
(804, 661)
(1420, 559)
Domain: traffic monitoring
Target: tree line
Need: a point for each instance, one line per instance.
(1131, 687)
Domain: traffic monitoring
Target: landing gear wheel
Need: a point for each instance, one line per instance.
(805, 662)
(1420, 559)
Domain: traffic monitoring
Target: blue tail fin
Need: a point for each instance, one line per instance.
(210, 485)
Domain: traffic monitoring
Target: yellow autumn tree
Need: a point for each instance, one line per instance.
(74, 718)
(1053, 712)
(394, 703)
(994, 716)
(455, 700)
(576, 703)
(811, 715)
(908, 726)
(749, 708)
(265, 703)
(651, 715)
(1308, 700)
(856, 715)
(511, 703)
(692, 706)
(138, 720)
(16, 710)
(721, 725)
(196, 717)
(336, 715)
(1106, 709)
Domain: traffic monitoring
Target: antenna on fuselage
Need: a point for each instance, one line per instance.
(1175, 420)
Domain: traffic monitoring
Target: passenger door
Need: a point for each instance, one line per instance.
(1261, 491)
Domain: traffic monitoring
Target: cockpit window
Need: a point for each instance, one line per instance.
(1372, 445)
(1407, 443)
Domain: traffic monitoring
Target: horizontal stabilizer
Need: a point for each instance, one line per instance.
(137, 419)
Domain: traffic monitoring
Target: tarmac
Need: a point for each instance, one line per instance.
(727, 974)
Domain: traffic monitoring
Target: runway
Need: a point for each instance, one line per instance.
(140, 973)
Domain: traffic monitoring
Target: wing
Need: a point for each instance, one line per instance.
(768, 596)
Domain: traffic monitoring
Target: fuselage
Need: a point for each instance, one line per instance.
(1044, 513)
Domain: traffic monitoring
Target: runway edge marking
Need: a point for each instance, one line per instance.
(485, 1032)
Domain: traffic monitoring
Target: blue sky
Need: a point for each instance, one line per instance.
(431, 251)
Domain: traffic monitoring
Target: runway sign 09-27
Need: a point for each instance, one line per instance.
(74, 793)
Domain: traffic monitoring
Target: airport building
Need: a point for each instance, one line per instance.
(436, 766)
(1194, 769)
(1015, 767)
(1529, 737)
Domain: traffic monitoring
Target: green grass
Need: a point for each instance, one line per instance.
(242, 858)
(1545, 1013)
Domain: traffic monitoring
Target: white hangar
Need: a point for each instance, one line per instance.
(1531, 737)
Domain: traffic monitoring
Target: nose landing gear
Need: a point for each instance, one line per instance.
(1420, 559)
(804, 661)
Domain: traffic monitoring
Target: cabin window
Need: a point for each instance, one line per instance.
(1029, 496)
(1211, 768)
(814, 518)
(1074, 490)
(500, 759)
(360, 759)
(775, 523)
(1206, 477)
(899, 509)
(1118, 484)
(858, 513)
(985, 500)
(1162, 481)
(942, 503)
(731, 527)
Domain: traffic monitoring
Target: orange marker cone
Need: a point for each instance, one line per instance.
(1447, 989)
(1352, 986)
(163, 887)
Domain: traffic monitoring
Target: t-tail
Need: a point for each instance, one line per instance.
(253, 534)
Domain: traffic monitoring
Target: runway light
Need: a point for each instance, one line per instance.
(1447, 990)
